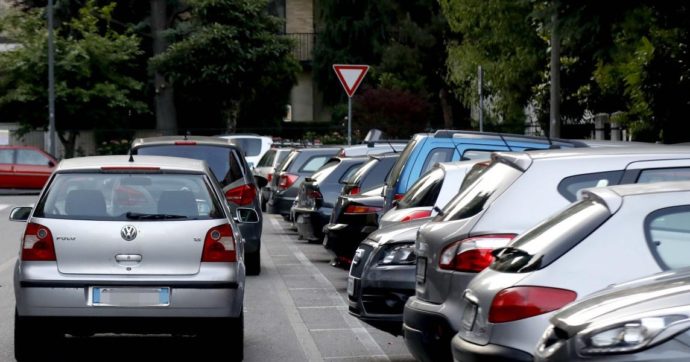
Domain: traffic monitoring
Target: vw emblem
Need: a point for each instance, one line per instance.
(128, 232)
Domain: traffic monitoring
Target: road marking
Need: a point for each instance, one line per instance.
(381, 357)
(360, 333)
(323, 307)
(6, 265)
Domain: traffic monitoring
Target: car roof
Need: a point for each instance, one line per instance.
(642, 188)
(206, 140)
(123, 161)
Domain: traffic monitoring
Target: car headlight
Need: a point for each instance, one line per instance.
(399, 255)
(631, 336)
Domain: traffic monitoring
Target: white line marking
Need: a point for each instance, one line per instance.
(323, 307)
(381, 357)
(355, 326)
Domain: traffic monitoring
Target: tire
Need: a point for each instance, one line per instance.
(26, 333)
(229, 332)
(252, 263)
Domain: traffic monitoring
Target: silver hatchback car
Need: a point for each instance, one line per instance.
(140, 245)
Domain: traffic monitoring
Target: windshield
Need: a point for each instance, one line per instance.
(129, 196)
(221, 160)
(472, 198)
(393, 176)
(546, 242)
(425, 191)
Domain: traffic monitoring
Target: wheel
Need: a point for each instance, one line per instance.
(252, 261)
(26, 333)
(226, 332)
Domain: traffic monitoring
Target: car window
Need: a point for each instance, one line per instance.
(497, 177)
(31, 157)
(267, 159)
(326, 169)
(314, 163)
(129, 196)
(668, 235)
(549, 240)
(435, 156)
(664, 174)
(476, 155)
(224, 165)
(394, 175)
(250, 146)
(6, 156)
(356, 177)
(425, 191)
(350, 171)
(281, 156)
(287, 162)
(569, 186)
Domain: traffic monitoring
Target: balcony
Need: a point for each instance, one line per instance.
(303, 45)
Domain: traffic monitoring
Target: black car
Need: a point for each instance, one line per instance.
(232, 172)
(371, 175)
(319, 193)
(299, 164)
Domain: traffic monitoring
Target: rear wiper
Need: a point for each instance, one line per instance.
(140, 216)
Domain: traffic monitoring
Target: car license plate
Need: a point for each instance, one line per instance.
(351, 286)
(129, 297)
(421, 270)
(469, 314)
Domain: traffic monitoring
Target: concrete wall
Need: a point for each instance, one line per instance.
(299, 16)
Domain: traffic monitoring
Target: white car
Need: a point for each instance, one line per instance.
(254, 146)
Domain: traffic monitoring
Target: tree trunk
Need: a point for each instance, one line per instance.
(446, 108)
(230, 114)
(555, 112)
(166, 116)
(69, 141)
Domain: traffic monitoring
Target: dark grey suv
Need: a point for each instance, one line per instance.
(230, 169)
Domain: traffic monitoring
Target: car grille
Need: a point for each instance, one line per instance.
(357, 269)
(377, 301)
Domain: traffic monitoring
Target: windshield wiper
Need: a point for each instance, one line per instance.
(139, 216)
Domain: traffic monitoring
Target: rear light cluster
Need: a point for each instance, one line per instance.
(354, 191)
(269, 177)
(416, 215)
(361, 209)
(286, 180)
(219, 245)
(472, 254)
(38, 243)
(242, 195)
(314, 194)
(398, 197)
(516, 303)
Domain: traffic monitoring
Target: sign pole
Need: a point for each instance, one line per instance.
(51, 84)
(349, 121)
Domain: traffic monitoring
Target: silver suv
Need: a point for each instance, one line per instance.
(516, 191)
(140, 245)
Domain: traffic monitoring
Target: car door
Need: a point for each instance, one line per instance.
(7, 179)
(32, 168)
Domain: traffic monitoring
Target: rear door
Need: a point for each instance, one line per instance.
(7, 178)
(32, 168)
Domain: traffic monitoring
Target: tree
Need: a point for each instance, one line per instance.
(229, 57)
(92, 61)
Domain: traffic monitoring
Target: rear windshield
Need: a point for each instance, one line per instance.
(425, 191)
(129, 196)
(356, 178)
(221, 160)
(267, 159)
(548, 241)
(473, 197)
(325, 170)
(285, 164)
(250, 146)
(394, 175)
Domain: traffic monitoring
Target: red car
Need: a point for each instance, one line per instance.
(24, 167)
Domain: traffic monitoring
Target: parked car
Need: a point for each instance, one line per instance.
(426, 149)
(372, 148)
(371, 175)
(230, 170)
(610, 235)
(253, 146)
(299, 164)
(430, 193)
(647, 319)
(25, 167)
(382, 276)
(516, 191)
(319, 193)
(263, 171)
(172, 263)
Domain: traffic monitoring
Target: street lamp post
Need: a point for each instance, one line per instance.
(51, 82)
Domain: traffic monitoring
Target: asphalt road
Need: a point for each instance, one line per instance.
(296, 310)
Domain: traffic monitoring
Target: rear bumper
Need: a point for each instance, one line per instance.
(427, 334)
(310, 223)
(279, 204)
(464, 351)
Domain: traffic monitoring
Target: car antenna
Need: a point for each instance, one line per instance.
(186, 135)
(131, 157)
(439, 211)
(391, 145)
(548, 138)
(505, 142)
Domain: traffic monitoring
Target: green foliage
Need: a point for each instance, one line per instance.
(399, 114)
(91, 65)
(230, 57)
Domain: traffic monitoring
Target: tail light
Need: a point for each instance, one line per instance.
(314, 194)
(286, 180)
(361, 209)
(269, 178)
(185, 143)
(416, 215)
(38, 243)
(241, 195)
(354, 191)
(219, 245)
(516, 303)
(398, 197)
(472, 254)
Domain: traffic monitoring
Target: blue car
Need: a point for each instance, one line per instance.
(426, 149)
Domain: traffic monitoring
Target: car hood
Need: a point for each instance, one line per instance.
(397, 232)
(656, 292)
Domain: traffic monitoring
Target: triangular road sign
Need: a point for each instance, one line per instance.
(350, 76)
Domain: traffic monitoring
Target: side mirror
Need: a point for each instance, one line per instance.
(246, 216)
(20, 213)
(260, 181)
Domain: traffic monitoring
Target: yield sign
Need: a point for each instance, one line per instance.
(350, 76)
